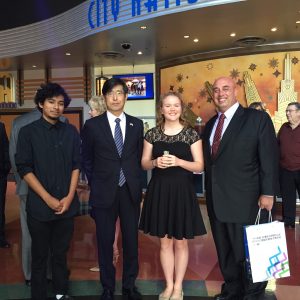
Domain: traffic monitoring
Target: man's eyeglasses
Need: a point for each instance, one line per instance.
(290, 110)
(115, 93)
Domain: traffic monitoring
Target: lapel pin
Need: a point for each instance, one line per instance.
(130, 124)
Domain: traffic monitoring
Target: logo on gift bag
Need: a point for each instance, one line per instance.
(266, 251)
(279, 265)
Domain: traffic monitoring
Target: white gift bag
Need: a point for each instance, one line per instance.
(266, 251)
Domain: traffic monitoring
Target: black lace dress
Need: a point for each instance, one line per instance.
(170, 206)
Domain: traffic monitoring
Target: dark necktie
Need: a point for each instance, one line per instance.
(119, 145)
(217, 136)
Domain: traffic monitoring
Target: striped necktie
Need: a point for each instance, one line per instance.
(217, 136)
(119, 145)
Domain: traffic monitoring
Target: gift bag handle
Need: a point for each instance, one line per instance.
(258, 217)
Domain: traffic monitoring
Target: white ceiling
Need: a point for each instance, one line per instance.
(163, 43)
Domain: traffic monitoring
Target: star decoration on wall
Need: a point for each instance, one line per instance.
(276, 73)
(273, 63)
(187, 77)
(180, 90)
(252, 67)
(234, 74)
(209, 66)
(190, 105)
(209, 99)
(295, 60)
(179, 77)
(203, 93)
(261, 74)
(240, 82)
(171, 88)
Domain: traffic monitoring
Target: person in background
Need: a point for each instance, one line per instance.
(289, 147)
(22, 191)
(264, 217)
(52, 201)
(257, 106)
(112, 146)
(98, 107)
(241, 159)
(4, 170)
(173, 150)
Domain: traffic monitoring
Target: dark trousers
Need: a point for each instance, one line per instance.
(229, 240)
(105, 219)
(3, 186)
(289, 184)
(56, 236)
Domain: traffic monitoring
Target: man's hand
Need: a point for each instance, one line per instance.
(266, 202)
(53, 203)
(65, 204)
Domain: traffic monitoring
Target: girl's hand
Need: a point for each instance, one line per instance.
(169, 160)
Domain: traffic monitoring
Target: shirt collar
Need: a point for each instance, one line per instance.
(230, 111)
(48, 125)
(112, 118)
(287, 124)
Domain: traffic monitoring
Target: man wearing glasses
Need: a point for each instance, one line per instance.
(111, 151)
(289, 145)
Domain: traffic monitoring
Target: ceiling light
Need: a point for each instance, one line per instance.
(232, 34)
(196, 40)
(140, 53)
(34, 66)
(274, 29)
(143, 27)
(68, 53)
(297, 22)
(186, 36)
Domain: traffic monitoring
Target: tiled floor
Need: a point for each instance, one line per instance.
(203, 277)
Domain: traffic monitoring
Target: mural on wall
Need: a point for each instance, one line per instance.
(6, 87)
(272, 78)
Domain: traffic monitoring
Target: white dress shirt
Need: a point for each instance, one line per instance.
(228, 116)
(112, 123)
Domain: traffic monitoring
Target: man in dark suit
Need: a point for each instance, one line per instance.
(241, 161)
(4, 169)
(111, 151)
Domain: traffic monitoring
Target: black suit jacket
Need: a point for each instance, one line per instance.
(102, 163)
(4, 155)
(245, 166)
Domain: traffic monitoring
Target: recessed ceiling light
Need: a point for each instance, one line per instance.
(34, 66)
(140, 53)
(274, 29)
(232, 34)
(297, 22)
(186, 36)
(196, 40)
(68, 53)
(143, 27)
